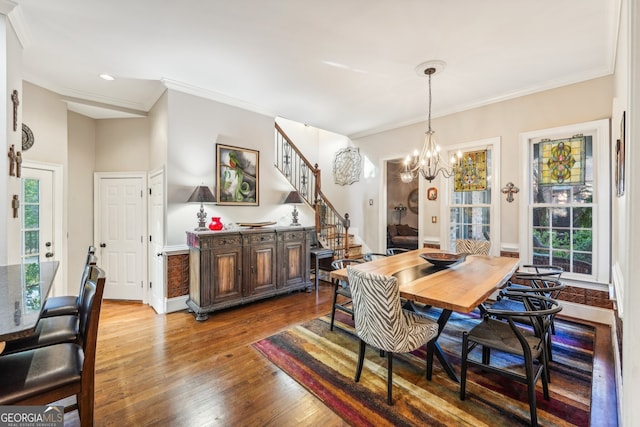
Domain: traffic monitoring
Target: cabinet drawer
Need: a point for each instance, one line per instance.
(262, 238)
(294, 235)
(219, 241)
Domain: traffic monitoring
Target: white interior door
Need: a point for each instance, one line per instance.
(120, 216)
(156, 242)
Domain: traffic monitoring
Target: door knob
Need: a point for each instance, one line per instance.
(48, 254)
(103, 245)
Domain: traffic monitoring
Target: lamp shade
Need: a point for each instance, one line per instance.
(202, 194)
(294, 197)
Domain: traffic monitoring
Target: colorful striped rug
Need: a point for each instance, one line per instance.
(324, 362)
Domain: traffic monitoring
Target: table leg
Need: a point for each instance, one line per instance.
(317, 258)
(442, 322)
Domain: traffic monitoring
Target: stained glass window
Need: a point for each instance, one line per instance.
(472, 173)
(562, 161)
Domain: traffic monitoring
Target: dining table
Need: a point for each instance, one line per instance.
(23, 289)
(462, 286)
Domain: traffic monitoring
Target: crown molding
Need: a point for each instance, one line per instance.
(19, 24)
(6, 6)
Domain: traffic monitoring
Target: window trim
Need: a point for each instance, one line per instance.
(494, 144)
(600, 129)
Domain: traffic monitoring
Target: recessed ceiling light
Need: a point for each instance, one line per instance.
(108, 77)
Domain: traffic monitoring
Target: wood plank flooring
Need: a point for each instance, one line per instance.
(170, 370)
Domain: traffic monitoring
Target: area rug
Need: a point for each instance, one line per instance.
(324, 362)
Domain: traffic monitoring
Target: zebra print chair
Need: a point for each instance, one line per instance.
(476, 247)
(381, 322)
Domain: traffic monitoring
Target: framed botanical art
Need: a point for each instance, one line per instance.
(237, 173)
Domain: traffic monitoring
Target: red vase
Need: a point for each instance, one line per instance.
(216, 224)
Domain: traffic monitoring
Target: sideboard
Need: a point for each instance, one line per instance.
(228, 268)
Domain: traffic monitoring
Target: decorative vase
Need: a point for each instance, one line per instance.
(216, 224)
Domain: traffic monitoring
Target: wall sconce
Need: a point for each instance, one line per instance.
(201, 195)
(510, 190)
(294, 198)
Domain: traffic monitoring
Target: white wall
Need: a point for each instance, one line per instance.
(122, 145)
(195, 125)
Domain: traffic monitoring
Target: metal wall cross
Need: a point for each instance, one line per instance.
(510, 190)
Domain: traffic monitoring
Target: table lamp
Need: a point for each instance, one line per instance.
(294, 198)
(202, 195)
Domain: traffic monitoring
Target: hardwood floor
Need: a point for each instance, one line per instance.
(170, 370)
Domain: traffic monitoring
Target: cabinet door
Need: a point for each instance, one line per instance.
(227, 274)
(262, 265)
(295, 254)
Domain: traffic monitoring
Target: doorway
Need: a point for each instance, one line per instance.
(120, 224)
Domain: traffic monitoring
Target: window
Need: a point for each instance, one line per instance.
(566, 206)
(472, 212)
(31, 242)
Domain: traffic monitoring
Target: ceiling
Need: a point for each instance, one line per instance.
(346, 66)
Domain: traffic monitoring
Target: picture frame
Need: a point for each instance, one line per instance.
(620, 158)
(432, 193)
(237, 176)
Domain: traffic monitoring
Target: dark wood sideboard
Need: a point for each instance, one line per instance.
(228, 268)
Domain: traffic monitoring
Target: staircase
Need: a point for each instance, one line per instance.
(332, 229)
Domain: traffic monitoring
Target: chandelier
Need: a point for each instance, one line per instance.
(429, 161)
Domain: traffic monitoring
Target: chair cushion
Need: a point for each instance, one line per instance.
(60, 306)
(29, 373)
(51, 330)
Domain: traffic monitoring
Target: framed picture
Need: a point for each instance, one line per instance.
(237, 176)
(432, 193)
(620, 151)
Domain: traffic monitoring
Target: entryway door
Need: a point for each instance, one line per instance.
(120, 224)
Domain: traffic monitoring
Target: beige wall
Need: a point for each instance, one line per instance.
(122, 145)
(576, 103)
(82, 149)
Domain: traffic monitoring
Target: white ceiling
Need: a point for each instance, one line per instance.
(347, 66)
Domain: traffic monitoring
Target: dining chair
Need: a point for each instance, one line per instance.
(341, 288)
(68, 304)
(57, 329)
(370, 256)
(49, 374)
(499, 331)
(381, 322)
(396, 251)
(544, 281)
(471, 246)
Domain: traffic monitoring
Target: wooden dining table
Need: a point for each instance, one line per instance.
(461, 287)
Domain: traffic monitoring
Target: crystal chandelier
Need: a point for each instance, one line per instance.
(429, 161)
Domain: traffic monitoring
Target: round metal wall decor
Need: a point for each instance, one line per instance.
(27, 137)
(347, 166)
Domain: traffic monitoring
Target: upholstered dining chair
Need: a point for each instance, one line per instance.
(58, 329)
(48, 374)
(381, 322)
(499, 331)
(65, 305)
(470, 246)
(341, 289)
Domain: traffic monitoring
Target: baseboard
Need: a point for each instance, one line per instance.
(586, 312)
(176, 303)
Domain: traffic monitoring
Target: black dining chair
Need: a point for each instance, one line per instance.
(499, 331)
(48, 374)
(68, 304)
(341, 289)
(396, 251)
(370, 256)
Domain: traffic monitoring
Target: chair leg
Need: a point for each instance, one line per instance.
(463, 365)
(363, 346)
(333, 307)
(389, 377)
(430, 351)
(531, 391)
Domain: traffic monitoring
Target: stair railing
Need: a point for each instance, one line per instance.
(332, 228)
